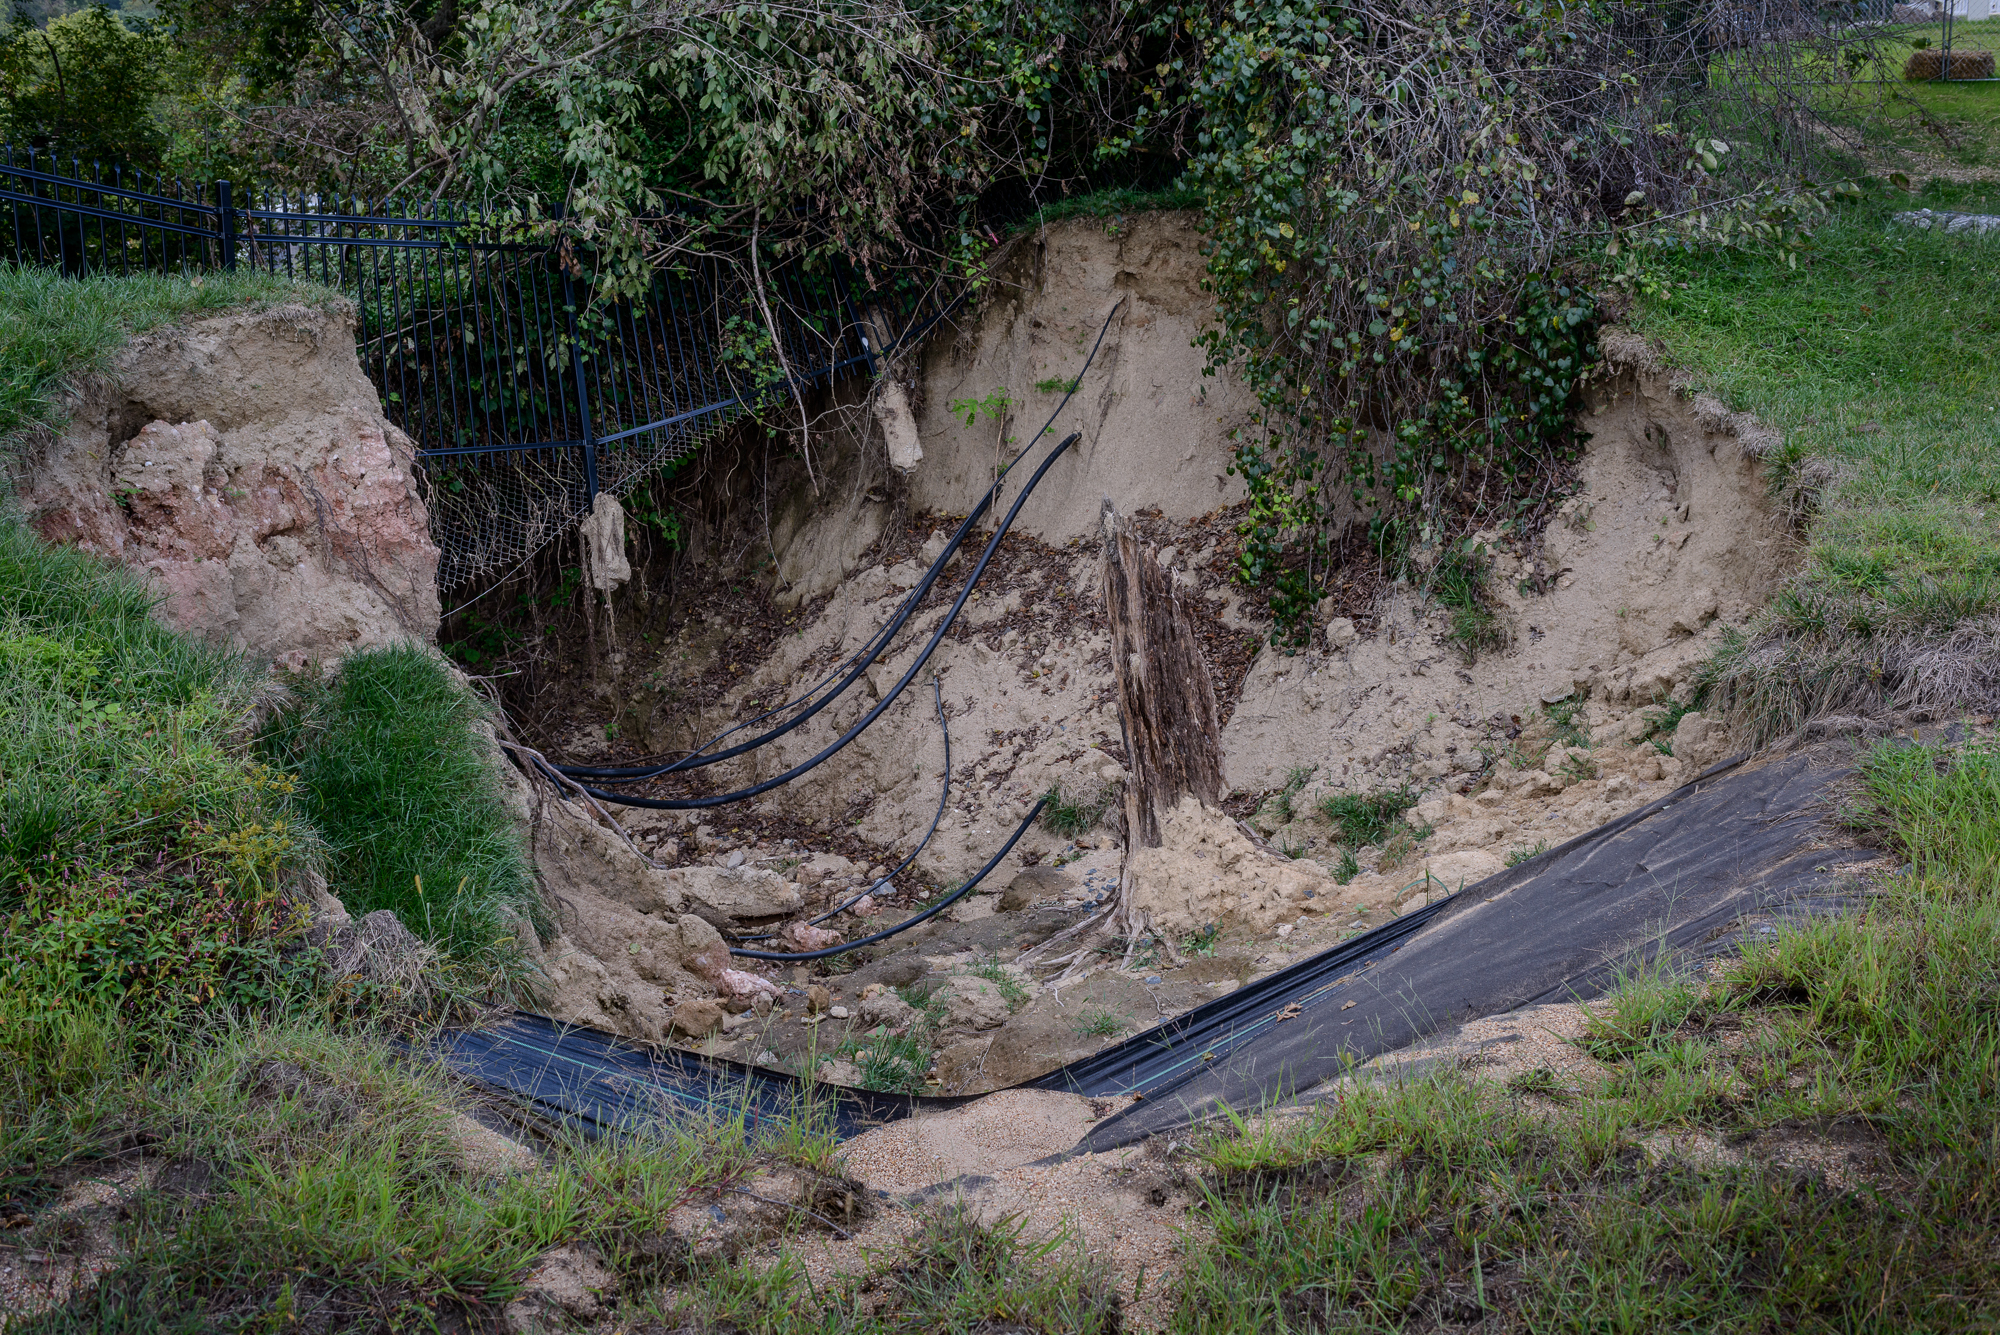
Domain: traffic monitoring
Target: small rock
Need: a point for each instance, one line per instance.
(803, 936)
(975, 1003)
(1032, 884)
(836, 1072)
(818, 999)
(1340, 633)
(1536, 783)
(697, 1018)
(1284, 930)
(736, 983)
(885, 1007)
(837, 1013)
(740, 893)
(734, 860)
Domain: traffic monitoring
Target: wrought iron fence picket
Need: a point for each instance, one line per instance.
(522, 394)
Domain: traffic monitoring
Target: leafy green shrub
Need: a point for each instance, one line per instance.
(1367, 818)
(392, 773)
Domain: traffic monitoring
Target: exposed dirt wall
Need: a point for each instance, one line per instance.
(243, 464)
(1155, 428)
(1668, 539)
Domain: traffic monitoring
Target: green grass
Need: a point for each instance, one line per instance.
(54, 329)
(1458, 582)
(1959, 122)
(329, 1181)
(1067, 817)
(1879, 361)
(1367, 818)
(1944, 804)
(1011, 989)
(392, 773)
(1542, 1203)
(145, 855)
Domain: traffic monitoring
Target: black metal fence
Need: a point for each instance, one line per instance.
(524, 394)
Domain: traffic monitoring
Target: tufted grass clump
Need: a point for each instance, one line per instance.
(1367, 818)
(394, 774)
(1067, 816)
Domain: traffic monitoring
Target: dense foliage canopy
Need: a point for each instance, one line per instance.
(1396, 191)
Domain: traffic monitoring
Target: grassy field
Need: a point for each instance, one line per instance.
(1957, 123)
(1879, 360)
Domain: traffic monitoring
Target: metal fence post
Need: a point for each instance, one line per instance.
(582, 394)
(226, 221)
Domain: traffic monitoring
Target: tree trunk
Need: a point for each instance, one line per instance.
(1169, 717)
(1166, 702)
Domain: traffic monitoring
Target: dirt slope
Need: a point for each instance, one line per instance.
(1668, 540)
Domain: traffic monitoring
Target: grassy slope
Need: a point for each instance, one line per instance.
(391, 774)
(1879, 359)
(54, 328)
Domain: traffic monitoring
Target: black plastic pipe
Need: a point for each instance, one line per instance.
(907, 924)
(742, 794)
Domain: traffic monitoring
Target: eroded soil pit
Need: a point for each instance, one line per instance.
(1378, 768)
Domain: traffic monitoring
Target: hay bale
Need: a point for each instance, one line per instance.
(1928, 64)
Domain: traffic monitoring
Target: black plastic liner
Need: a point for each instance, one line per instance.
(594, 1082)
(1673, 876)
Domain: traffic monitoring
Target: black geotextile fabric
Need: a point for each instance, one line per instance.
(594, 1082)
(1674, 875)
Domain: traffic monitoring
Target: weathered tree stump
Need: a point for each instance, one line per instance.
(1167, 712)
(1166, 702)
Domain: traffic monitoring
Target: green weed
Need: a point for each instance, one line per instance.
(1367, 818)
(1568, 722)
(1660, 725)
(994, 405)
(1056, 385)
(1647, 1006)
(1099, 1024)
(1011, 989)
(1516, 856)
(1067, 818)
(1941, 805)
(1201, 945)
